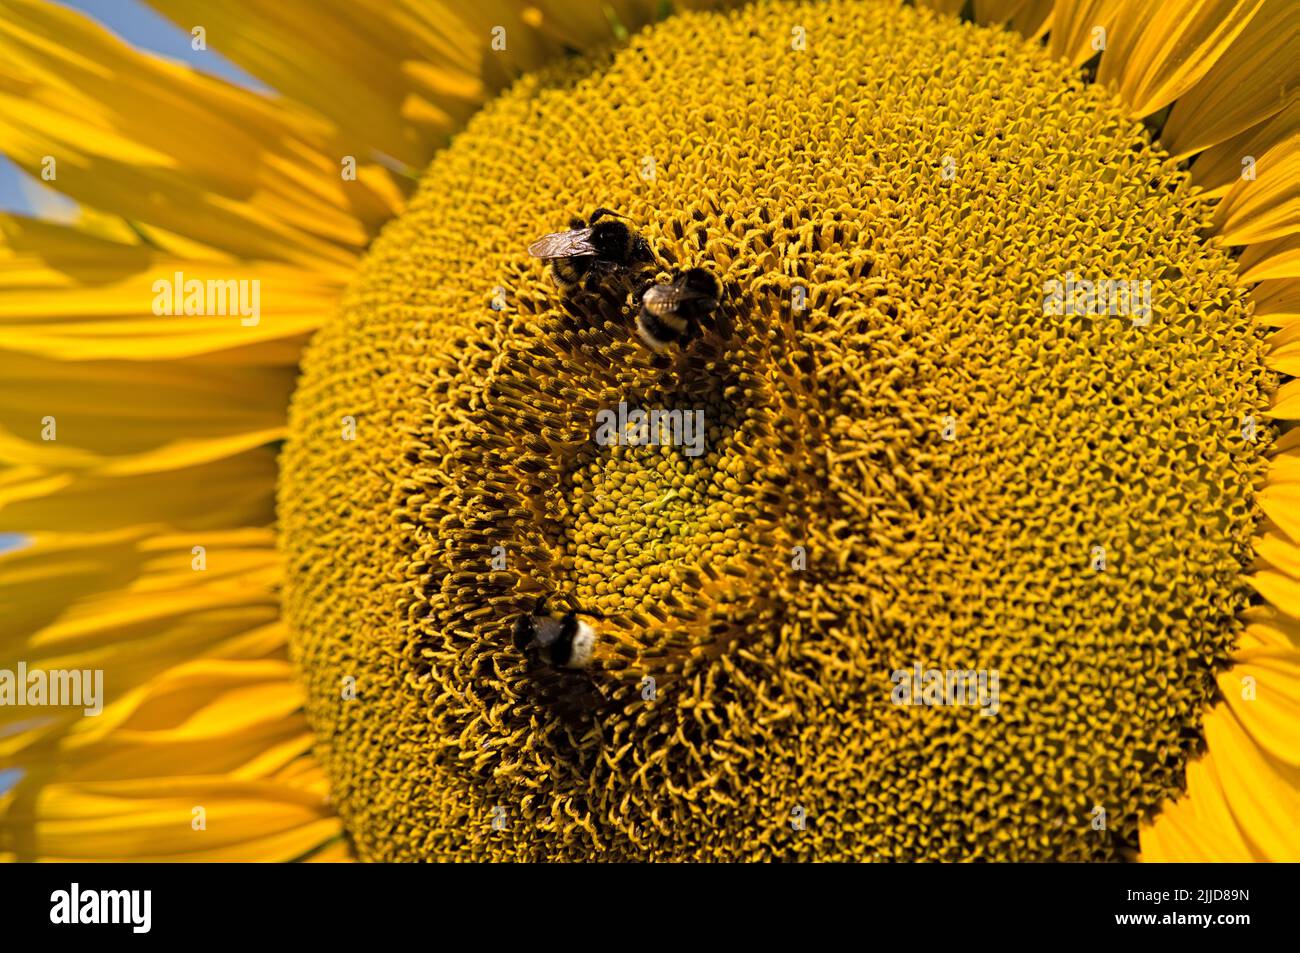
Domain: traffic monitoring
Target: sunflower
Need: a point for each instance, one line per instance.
(294, 539)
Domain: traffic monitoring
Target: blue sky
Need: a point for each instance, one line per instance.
(141, 26)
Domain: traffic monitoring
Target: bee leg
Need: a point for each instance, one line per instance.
(596, 273)
(601, 213)
(687, 335)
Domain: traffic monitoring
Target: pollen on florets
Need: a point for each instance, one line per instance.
(909, 463)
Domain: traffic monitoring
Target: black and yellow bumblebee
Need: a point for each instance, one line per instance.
(592, 250)
(566, 640)
(669, 311)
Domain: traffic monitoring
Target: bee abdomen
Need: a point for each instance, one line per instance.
(657, 332)
(569, 271)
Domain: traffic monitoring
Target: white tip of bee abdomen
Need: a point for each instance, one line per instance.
(584, 646)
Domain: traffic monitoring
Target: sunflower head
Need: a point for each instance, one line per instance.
(907, 462)
(959, 520)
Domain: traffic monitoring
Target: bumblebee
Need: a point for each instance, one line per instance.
(591, 250)
(669, 311)
(568, 641)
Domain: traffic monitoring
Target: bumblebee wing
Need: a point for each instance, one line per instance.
(574, 243)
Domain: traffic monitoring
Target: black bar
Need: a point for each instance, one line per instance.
(648, 905)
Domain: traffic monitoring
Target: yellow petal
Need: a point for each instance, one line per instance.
(1268, 206)
(1271, 629)
(1279, 258)
(1284, 464)
(67, 295)
(1277, 303)
(1281, 591)
(1250, 82)
(1199, 826)
(1243, 797)
(1272, 715)
(415, 71)
(296, 47)
(1280, 553)
(233, 491)
(1261, 789)
(134, 605)
(1158, 51)
(154, 820)
(124, 417)
(1286, 402)
(240, 718)
(1076, 25)
(160, 143)
(1222, 168)
(1032, 18)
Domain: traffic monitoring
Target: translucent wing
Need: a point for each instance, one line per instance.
(574, 243)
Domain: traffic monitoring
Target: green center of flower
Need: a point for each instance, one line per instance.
(951, 565)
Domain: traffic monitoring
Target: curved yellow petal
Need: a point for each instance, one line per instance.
(1266, 206)
(1159, 50)
(1284, 350)
(1032, 18)
(1277, 258)
(1277, 303)
(1286, 403)
(1243, 796)
(1241, 90)
(292, 45)
(415, 71)
(1263, 692)
(69, 295)
(1197, 827)
(1081, 27)
(155, 819)
(120, 417)
(1231, 163)
(233, 491)
(1267, 627)
(159, 143)
(1279, 552)
(240, 718)
(198, 697)
(1261, 788)
(140, 601)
